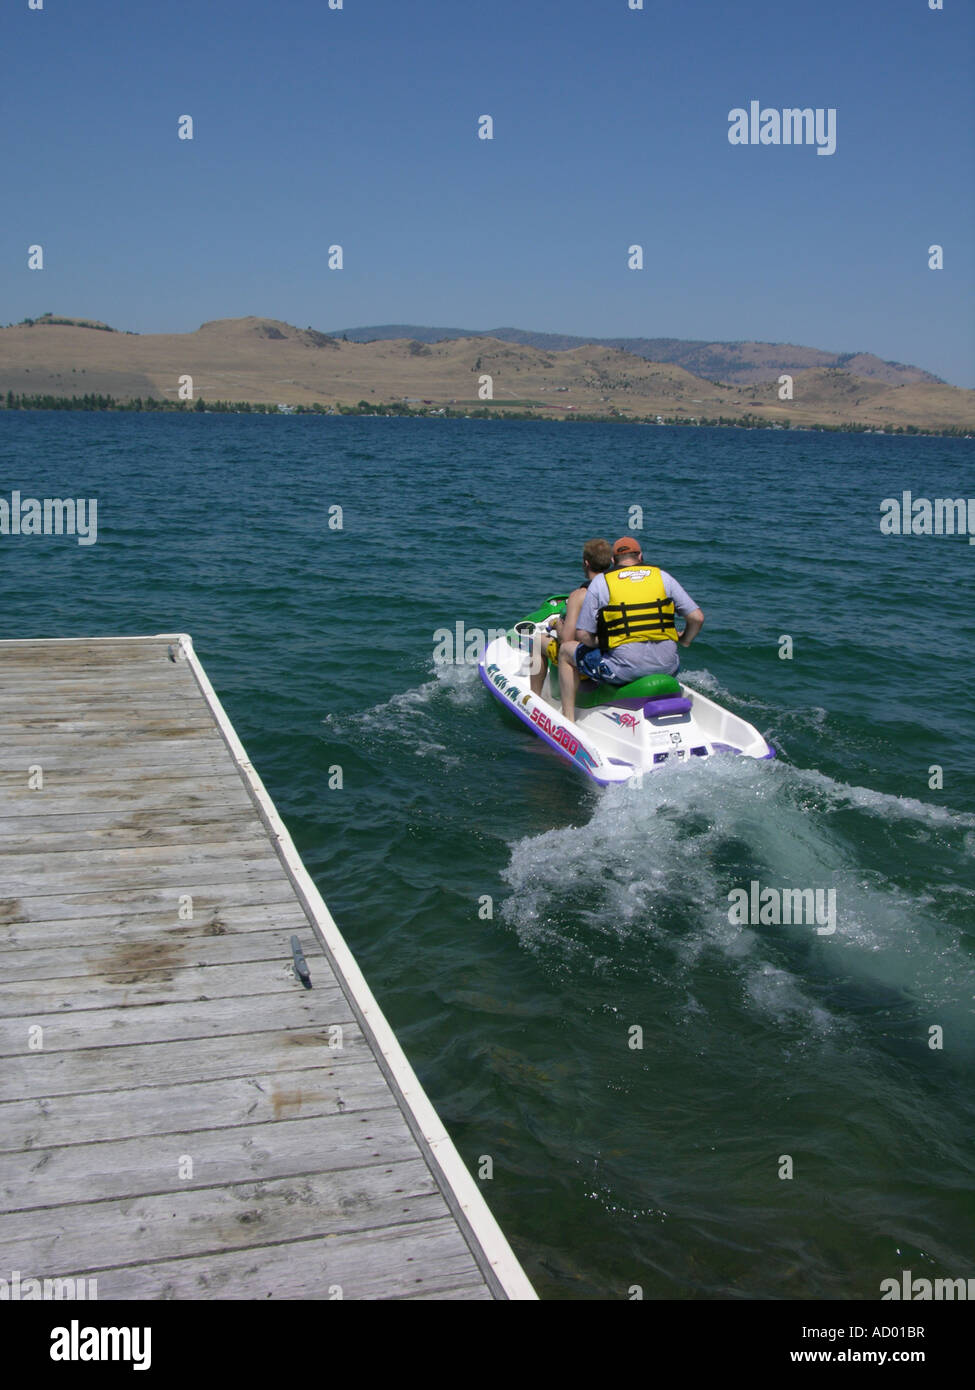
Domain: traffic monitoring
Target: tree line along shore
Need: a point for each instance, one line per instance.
(94, 401)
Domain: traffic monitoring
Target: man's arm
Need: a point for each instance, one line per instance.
(693, 622)
(685, 607)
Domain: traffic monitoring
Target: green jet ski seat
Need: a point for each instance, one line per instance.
(646, 688)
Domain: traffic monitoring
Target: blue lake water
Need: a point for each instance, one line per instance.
(613, 1165)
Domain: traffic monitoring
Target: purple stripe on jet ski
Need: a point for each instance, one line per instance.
(515, 709)
(665, 705)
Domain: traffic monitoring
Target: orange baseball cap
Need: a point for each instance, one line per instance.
(625, 544)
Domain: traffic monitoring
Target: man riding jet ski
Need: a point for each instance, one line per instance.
(630, 715)
(626, 626)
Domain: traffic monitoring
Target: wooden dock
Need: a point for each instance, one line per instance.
(179, 1116)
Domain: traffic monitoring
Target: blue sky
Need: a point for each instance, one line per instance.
(359, 127)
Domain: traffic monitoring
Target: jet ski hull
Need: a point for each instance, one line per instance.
(618, 733)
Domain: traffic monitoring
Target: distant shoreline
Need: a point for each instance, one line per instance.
(256, 364)
(148, 405)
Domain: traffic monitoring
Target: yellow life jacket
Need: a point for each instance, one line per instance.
(638, 609)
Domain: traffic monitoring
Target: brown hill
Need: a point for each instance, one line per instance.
(737, 363)
(259, 359)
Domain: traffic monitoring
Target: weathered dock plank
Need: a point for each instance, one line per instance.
(94, 832)
(177, 1162)
(87, 934)
(145, 948)
(103, 870)
(87, 1071)
(223, 1218)
(157, 1022)
(236, 1100)
(125, 978)
(179, 1118)
(428, 1260)
(212, 899)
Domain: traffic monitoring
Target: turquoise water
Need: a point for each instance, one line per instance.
(613, 1166)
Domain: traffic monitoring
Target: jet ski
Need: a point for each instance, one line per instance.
(620, 731)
